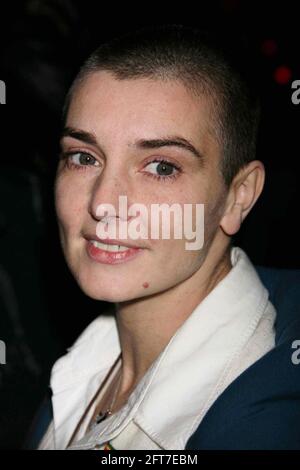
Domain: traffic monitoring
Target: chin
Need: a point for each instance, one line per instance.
(112, 291)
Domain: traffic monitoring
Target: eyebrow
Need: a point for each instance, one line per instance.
(169, 141)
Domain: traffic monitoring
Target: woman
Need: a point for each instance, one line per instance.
(156, 117)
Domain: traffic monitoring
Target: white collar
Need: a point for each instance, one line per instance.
(182, 383)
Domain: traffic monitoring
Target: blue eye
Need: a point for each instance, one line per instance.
(81, 158)
(163, 170)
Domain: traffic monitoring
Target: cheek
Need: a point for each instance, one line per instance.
(183, 263)
(68, 204)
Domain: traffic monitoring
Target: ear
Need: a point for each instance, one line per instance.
(244, 191)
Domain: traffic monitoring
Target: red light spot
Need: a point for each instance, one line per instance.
(282, 75)
(269, 47)
(146, 284)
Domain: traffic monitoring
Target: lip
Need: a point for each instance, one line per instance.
(111, 241)
(108, 257)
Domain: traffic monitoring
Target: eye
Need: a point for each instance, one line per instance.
(82, 159)
(162, 169)
(78, 160)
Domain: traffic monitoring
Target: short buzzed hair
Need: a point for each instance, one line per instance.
(201, 62)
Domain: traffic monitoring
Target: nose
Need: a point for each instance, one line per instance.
(105, 195)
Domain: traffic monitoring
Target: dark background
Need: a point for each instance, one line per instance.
(42, 44)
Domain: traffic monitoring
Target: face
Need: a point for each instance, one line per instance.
(104, 156)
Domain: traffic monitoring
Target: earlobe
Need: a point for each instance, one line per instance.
(245, 190)
(232, 219)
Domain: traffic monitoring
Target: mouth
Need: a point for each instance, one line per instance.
(113, 248)
(111, 251)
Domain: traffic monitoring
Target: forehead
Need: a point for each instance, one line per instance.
(139, 107)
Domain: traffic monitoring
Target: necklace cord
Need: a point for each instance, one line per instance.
(102, 415)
